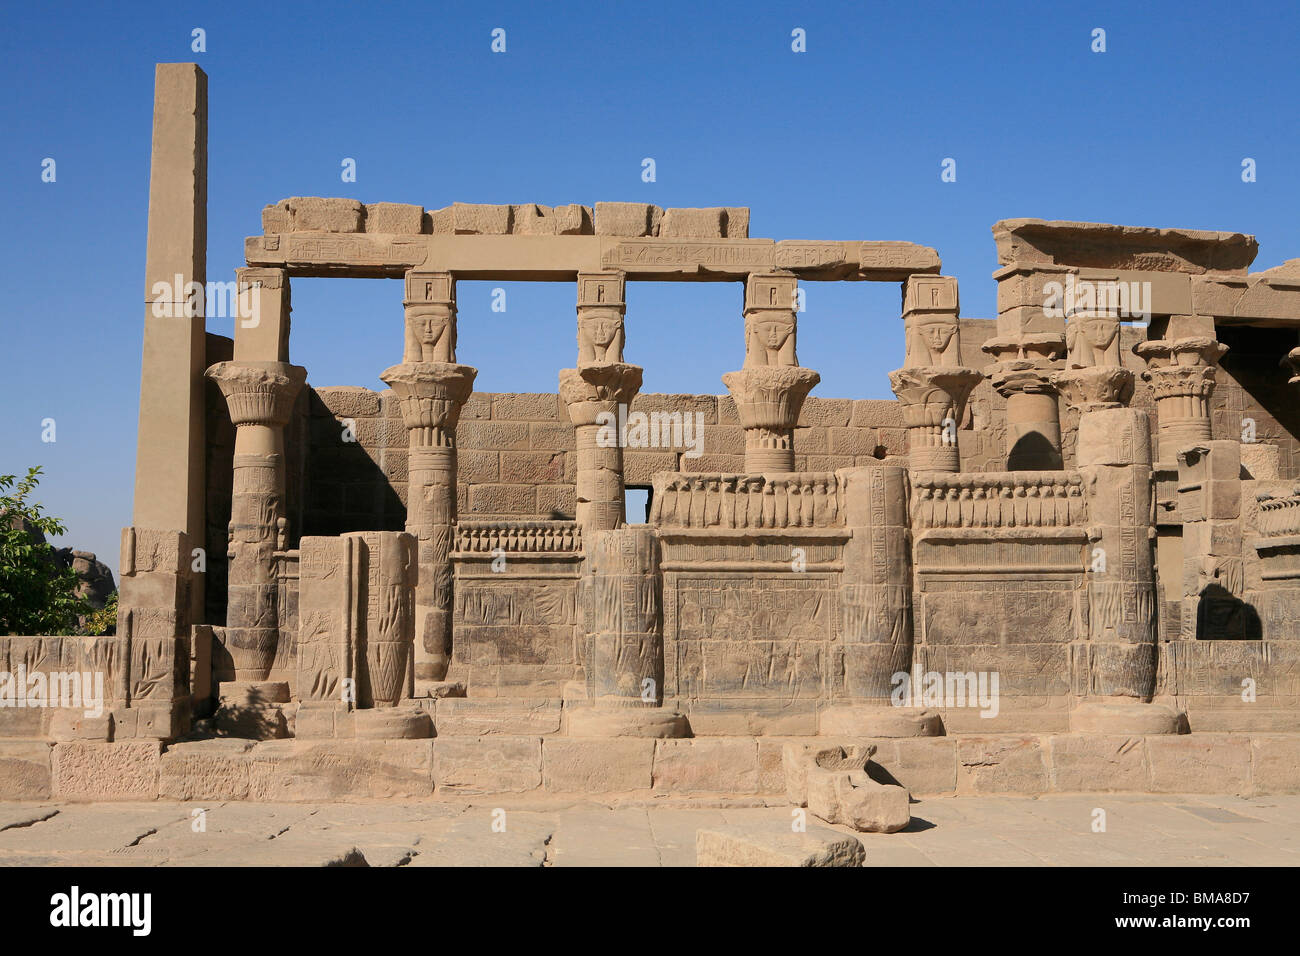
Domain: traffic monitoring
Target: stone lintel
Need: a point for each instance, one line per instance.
(1106, 246)
(561, 258)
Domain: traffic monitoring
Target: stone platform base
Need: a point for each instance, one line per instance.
(881, 721)
(631, 768)
(656, 722)
(257, 710)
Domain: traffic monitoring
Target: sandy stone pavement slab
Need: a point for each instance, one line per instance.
(1073, 830)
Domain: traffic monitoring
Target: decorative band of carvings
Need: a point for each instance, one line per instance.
(797, 500)
(1010, 499)
(1279, 517)
(526, 537)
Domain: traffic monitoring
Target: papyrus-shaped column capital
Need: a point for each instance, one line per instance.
(589, 390)
(259, 393)
(768, 401)
(1095, 389)
(431, 395)
(934, 400)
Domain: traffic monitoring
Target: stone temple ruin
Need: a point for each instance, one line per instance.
(1066, 558)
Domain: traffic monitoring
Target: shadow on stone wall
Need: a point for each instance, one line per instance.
(1221, 616)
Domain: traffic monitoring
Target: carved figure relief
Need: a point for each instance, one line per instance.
(600, 337)
(430, 334)
(770, 340)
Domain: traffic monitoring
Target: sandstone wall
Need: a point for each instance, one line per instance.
(516, 455)
(516, 452)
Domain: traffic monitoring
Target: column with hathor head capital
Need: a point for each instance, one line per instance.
(431, 388)
(260, 397)
(770, 388)
(932, 385)
(1181, 369)
(1029, 342)
(1114, 664)
(597, 394)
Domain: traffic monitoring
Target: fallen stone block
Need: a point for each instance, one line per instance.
(832, 782)
(776, 844)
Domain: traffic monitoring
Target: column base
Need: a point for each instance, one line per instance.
(1126, 715)
(438, 688)
(630, 722)
(879, 720)
(392, 723)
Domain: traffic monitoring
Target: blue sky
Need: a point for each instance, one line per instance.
(844, 141)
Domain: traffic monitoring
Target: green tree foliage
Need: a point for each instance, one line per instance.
(36, 595)
(103, 621)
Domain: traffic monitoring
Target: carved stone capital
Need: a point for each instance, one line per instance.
(1191, 352)
(1041, 348)
(934, 393)
(770, 396)
(592, 389)
(430, 394)
(258, 393)
(1181, 381)
(1021, 377)
(1096, 388)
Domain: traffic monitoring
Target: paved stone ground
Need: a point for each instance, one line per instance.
(1140, 830)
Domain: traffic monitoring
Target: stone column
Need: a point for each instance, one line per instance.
(597, 394)
(431, 390)
(1209, 503)
(933, 386)
(1026, 348)
(625, 647)
(1181, 369)
(770, 388)
(260, 397)
(876, 608)
(1114, 663)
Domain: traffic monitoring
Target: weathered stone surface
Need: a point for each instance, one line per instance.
(775, 844)
(597, 765)
(461, 717)
(1102, 245)
(341, 769)
(629, 219)
(492, 764)
(833, 783)
(206, 770)
(313, 214)
(1098, 762)
(1200, 763)
(706, 765)
(25, 770)
(1001, 765)
(103, 771)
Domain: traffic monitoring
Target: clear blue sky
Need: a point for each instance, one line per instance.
(844, 141)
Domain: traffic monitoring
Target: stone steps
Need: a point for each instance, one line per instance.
(624, 768)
